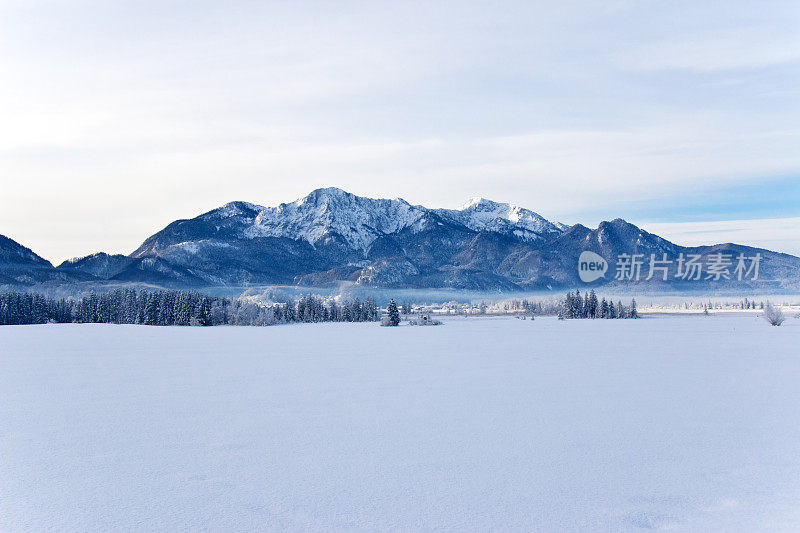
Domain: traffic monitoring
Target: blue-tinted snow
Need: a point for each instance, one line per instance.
(687, 423)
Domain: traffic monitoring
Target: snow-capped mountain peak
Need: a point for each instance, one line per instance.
(476, 201)
(332, 216)
(233, 209)
(329, 215)
(481, 214)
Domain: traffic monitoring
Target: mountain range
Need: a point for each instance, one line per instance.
(331, 236)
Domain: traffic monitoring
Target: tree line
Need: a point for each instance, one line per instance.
(176, 308)
(588, 306)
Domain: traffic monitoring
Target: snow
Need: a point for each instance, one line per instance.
(480, 214)
(686, 423)
(561, 226)
(233, 209)
(190, 247)
(359, 221)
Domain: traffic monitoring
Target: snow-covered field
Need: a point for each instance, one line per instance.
(685, 423)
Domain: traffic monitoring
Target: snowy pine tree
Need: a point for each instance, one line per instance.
(604, 308)
(393, 314)
(593, 304)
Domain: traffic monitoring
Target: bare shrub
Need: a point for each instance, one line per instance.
(773, 314)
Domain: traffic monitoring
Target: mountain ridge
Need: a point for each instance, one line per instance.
(331, 235)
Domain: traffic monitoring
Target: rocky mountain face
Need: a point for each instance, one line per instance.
(331, 236)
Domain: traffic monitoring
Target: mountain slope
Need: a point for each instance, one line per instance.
(556, 265)
(21, 266)
(100, 265)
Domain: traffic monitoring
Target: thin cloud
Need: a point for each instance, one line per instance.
(782, 234)
(728, 49)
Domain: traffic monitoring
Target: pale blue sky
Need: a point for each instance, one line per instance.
(119, 117)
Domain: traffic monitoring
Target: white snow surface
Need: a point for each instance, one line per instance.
(681, 423)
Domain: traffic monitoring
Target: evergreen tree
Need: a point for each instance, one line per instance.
(289, 312)
(355, 310)
(151, 309)
(394, 314)
(593, 304)
(370, 310)
(204, 312)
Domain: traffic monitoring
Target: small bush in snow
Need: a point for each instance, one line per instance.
(773, 314)
(424, 320)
